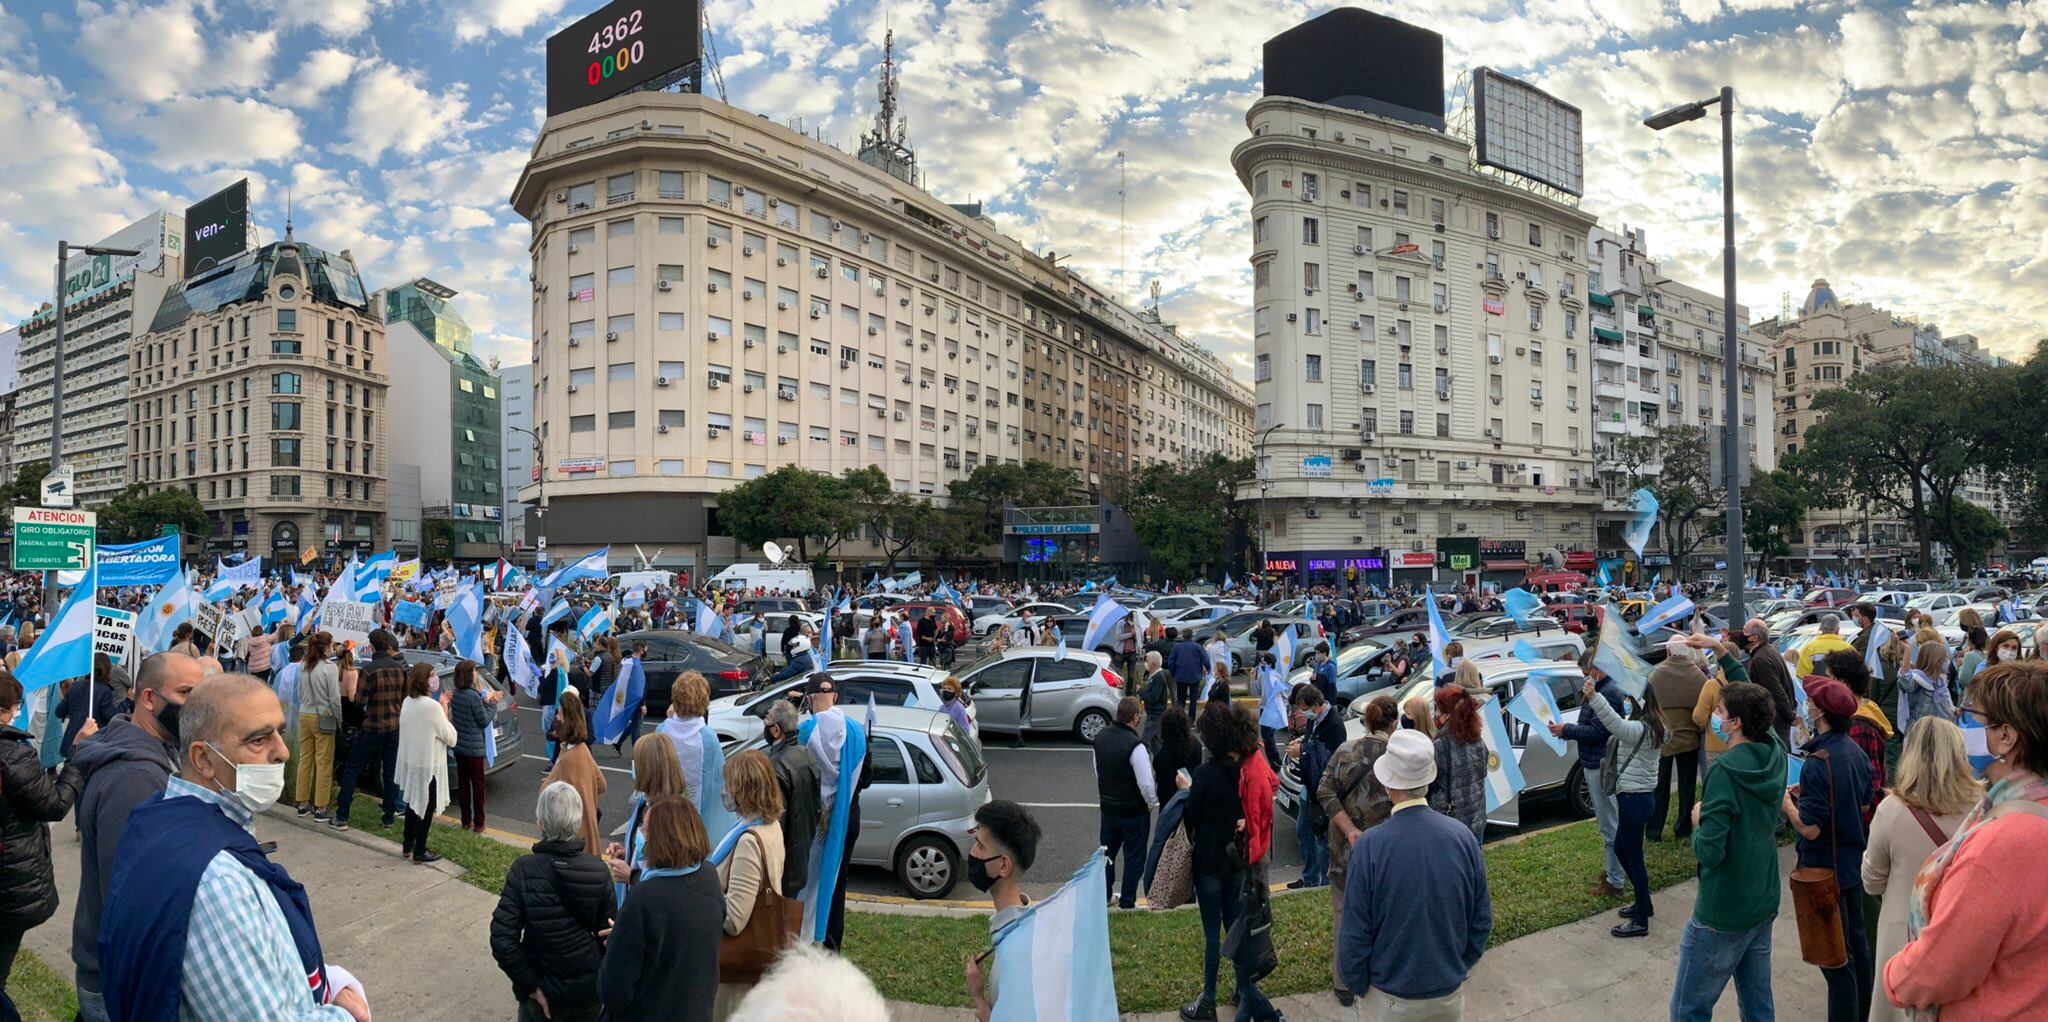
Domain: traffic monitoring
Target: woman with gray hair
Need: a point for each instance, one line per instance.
(556, 901)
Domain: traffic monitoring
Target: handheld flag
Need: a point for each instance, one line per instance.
(1227, 584)
(1101, 619)
(1283, 651)
(904, 636)
(1602, 580)
(1536, 706)
(595, 622)
(171, 607)
(616, 707)
(555, 612)
(1616, 660)
(64, 650)
(1054, 957)
(1880, 634)
(1439, 636)
(1059, 651)
(1529, 654)
(466, 616)
(829, 846)
(1520, 604)
(1677, 608)
(273, 609)
(709, 624)
(1503, 764)
(634, 597)
(590, 565)
(519, 663)
(1641, 521)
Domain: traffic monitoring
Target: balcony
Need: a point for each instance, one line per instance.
(1613, 354)
(1609, 389)
(1613, 425)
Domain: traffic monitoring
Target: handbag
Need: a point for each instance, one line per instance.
(744, 956)
(1612, 766)
(1929, 827)
(1249, 943)
(1173, 880)
(1817, 897)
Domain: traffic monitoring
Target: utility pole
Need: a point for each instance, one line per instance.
(540, 477)
(57, 387)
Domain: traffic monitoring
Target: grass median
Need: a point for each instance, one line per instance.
(40, 994)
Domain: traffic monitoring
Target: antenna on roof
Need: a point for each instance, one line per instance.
(287, 212)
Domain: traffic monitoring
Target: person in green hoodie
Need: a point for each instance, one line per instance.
(1735, 840)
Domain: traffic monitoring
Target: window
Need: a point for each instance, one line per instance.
(1315, 416)
(619, 372)
(1259, 230)
(1535, 316)
(669, 184)
(284, 346)
(1313, 370)
(582, 423)
(1368, 371)
(1436, 211)
(1309, 187)
(1311, 231)
(670, 225)
(288, 320)
(1402, 286)
(582, 196)
(618, 188)
(671, 418)
(1311, 276)
(618, 229)
(1407, 423)
(1262, 368)
(621, 420)
(1313, 321)
(284, 451)
(1443, 380)
(284, 486)
(719, 191)
(1259, 182)
(619, 276)
(582, 377)
(1400, 202)
(284, 415)
(1443, 424)
(1535, 234)
(284, 383)
(1406, 376)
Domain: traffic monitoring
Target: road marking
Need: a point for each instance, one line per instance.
(616, 770)
(986, 748)
(1061, 805)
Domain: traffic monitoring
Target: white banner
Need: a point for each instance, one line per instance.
(113, 633)
(348, 620)
(207, 618)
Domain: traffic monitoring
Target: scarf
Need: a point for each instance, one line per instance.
(2015, 792)
(1918, 679)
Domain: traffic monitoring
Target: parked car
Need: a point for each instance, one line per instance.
(737, 718)
(1071, 691)
(1494, 626)
(1831, 597)
(1404, 621)
(773, 623)
(727, 668)
(1989, 594)
(988, 623)
(1237, 631)
(758, 605)
(1163, 605)
(1577, 618)
(1941, 607)
(504, 723)
(950, 617)
(925, 780)
(982, 605)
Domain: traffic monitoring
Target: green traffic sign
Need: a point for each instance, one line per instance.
(54, 539)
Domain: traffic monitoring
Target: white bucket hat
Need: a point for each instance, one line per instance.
(1409, 763)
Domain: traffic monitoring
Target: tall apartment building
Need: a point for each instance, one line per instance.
(108, 300)
(1658, 361)
(515, 407)
(1825, 344)
(715, 295)
(445, 404)
(10, 342)
(260, 387)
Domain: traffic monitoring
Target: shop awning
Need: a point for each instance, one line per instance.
(1607, 335)
(1599, 299)
(1646, 312)
(1504, 566)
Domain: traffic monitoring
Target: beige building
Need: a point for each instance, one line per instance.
(715, 296)
(260, 387)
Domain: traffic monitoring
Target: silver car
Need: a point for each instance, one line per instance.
(504, 719)
(1075, 692)
(1237, 630)
(926, 779)
(738, 718)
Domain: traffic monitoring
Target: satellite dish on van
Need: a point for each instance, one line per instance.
(774, 552)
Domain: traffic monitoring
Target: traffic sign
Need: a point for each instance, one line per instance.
(54, 539)
(57, 487)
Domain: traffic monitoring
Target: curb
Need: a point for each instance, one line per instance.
(360, 839)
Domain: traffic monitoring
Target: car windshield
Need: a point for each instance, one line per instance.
(960, 754)
(977, 666)
(1927, 602)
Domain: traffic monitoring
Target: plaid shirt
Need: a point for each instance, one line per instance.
(382, 692)
(240, 961)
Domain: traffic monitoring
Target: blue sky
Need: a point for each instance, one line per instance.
(1899, 150)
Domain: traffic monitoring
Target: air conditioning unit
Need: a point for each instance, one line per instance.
(1489, 432)
(1400, 520)
(1439, 226)
(746, 296)
(1443, 349)
(573, 249)
(780, 261)
(748, 388)
(611, 336)
(575, 343)
(747, 250)
(1521, 516)
(1358, 250)
(712, 432)
(1443, 395)
(739, 189)
(774, 202)
(712, 240)
(1496, 400)
(713, 336)
(1437, 261)
(924, 384)
(716, 383)
(1495, 359)
(663, 285)
(1312, 513)
(906, 380)
(1443, 307)
(750, 342)
(783, 306)
(1575, 450)
(817, 314)
(782, 441)
(1493, 232)
(1571, 406)
(663, 428)
(561, 196)
(713, 288)
(879, 412)
(845, 363)
(1463, 465)
(1365, 388)
(898, 416)
(785, 394)
(823, 272)
(661, 381)
(572, 388)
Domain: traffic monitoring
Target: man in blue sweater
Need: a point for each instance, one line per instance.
(1188, 665)
(1416, 912)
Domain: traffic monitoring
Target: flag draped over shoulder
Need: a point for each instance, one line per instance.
(1054, 959)
(827, 849)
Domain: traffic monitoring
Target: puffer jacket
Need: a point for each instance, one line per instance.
(29, 800)
(472, 719)
(544, 932)
(1635, 749)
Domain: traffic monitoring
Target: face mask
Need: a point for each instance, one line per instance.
(2008, 652)
(1719, 724)
(257, 785)
(167, 715)
(977, 872)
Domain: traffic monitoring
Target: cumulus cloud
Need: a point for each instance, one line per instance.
(319, 71)
(394, 109)
(187, 133)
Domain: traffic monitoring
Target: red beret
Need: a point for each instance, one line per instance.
(1831, 696)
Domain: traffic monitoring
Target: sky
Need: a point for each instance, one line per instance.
(1900, 150)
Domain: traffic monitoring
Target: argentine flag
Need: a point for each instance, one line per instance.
(709, 624)
(1101, 619)
(1283, 651)
(306, 609)
(1880, 633)
(273, 609)
(1054, 958)
(519, 663)
(590, 565)
(555, 612)
(1643, 519)
(1536, 706)
(1520, 604)
(905, 636)
(1503, 763)
(616, 706)
(219, 589)
(1439, 636)
(595, 622)
(169, 608)
(64, 650)
(635, 597)
(1616, 660)
(466, 616)
(1677, 608)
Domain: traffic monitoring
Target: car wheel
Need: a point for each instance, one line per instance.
(1578, 792)
(1089, 724)
(928, 866)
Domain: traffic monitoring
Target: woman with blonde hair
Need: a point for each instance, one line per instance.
(574, 765)
(698, 752)
(1935, 790)
(1923, 689)
(655, 773)
(748, 859)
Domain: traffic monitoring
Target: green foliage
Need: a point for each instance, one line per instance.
(1183, 513)
(27, 487)
(791, 503)
(137, 514)
(981, 496)
(1772, 505)
(437, 537)
(1973, 532)
(1690, 500)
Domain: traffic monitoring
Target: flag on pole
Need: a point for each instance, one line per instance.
(273, 609)
(555, 612)
(590, 565)
(1880, 633)
(306, 610)
(1059, 649)
(1283, 651)
(1677, 608)
(1520, 604)
(1603, 577)
(595, 622)
(1616, 660)
(709, 624)
(64, 650)
(1055, 958)
(1439, 636)
(616, 706)
(1536, 706)
(1101, 619)
(519, 663)
(1641, 521)
(1503, 765)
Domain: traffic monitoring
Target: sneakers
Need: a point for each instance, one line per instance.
(338, 823)
(1198, 1010)
(305, 808)
(1632, 928)
(322, 816)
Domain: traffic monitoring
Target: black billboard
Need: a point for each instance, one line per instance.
(620, 48)
(1361, 61)
(217, 228)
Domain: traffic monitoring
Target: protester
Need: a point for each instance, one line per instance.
(1923, 690)
(1416, 910)
(1591, 738)
(2005, 648)
(31, 799)
(796, 773)
(1157, 695)
(1189, 664)
(1218, 652)
(424, 739)
(749, 860)
(199, 923)
(1323, 672)
(1677, 683)
(1825, 811)
(1177, 750)
(1767, 668)
(1322, 733)
(655, 774)
(839, 746)
(380, 692)
(1977, 929)
(1869, 728)
(1005, 846)
(661, 960)
(1935, 792)
(319, 697)
(810, 984)
(1273, 691)
(75, 707)
(1222, 841)
(951, 697)
(574, 763)
(1460, 789)
(1735, 841)
(1355, 802)
(1828, 641)
(1637, 747)
(1124, 788)
(555, 904)
(1975, 645)
(471, 714)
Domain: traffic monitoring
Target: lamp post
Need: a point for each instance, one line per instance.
(540, 477)
(64, 250)
(1731, 351)
(1259, 448)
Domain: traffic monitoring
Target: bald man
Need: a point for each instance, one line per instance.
(199, 923)
(1769, 669)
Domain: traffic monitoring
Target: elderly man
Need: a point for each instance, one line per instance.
(199, 923)
(839, 745)
(796, 772)
(1829, 640)
(1769, 669)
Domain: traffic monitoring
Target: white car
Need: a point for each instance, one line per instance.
(1163, 605)
(1200, 614)
(988, 623)
(738, 718)
(1941, 607)
(748, 636)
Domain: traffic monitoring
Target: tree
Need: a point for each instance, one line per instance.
(982, 496)
(136, 514)
(1972, 533)
(1185, 513)
(2026, 458)
(1772, 505)
(790, 503)
(1689, 499)
(27, 487)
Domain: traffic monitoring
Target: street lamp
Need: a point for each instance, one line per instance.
(541, 478)
(64, 249)
(1731, 352)
(1259, 447)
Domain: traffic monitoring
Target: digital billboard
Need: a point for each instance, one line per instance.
(1521, 129)
(217, 228)
(1361, 61)
(620, 48)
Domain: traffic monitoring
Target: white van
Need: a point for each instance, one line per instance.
(625, 580)
(765, 577)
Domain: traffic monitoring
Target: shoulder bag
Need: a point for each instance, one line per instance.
(1173, 879)
(1249, 942)
(1817, 893)
(744, 956)
(1612, 766)
(1931, 828)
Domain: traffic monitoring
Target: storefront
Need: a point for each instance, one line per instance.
(1459, 556)
(1413, 569)
(1503, 562)
(1334, 568)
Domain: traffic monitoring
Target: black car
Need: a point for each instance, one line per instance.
(728, 669)
(1404, 620)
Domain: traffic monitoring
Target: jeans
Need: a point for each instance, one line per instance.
(384, 746)
(1849, 986)
(418, 819)
(1635, 809)
(1269, 737)
(1185, 690)
(1218, 899)
(1315, 846)
(1128, 833)
(1608, 815)
(1707, 958)
(1687, 766)
(469, 790)
(529, 1011)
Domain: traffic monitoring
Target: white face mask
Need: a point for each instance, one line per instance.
(257, 785)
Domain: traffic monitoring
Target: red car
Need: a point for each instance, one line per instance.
(949, 617)
(1831, 598)
(1577, 618)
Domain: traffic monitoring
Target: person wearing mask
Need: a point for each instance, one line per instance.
(952, 700)
(1828, 641)
(1416, 910)
(1975, 645)
(839, 746)
(1735, 841)
(255, 651)
(1189, 665)
(1005, 846)
(1677, 682)
(199, 923)
(1273, 691)
(318, 693)
(1322, 733)
(575, 765)
(425, 738)
(924, 634)
(1935, 792)
(470, 710)
(1223, 846)
(1460, 788)
(122, 767)
(1323, 673)
(1125, 790)
(796, 773)
(31, 799)
(1869, 728)
(749, 859)
(1592, 738)
(1638, 739)
(380, 692)
(1157, 694)
(75, 706)
(1825, 810)
(661, 960)
(1355, 802)
(552, 910)
(655, 774)
(1768, 668)
(1977, 927)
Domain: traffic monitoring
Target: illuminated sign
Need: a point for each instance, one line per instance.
(1052, 528)
(1281, 564)
(1366, 563)
(1322, 564)
(625, 45)
(1414, 560)
(217, 228)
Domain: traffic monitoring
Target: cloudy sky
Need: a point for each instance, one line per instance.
(1900, 150)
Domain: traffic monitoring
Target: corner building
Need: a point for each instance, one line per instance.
(715, 296)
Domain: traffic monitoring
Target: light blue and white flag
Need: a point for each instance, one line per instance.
(906, 637)
(1529, 654)
(1643, 519)
(1102, 620)
(1054, 957)
(308, 608)
(1521, 604)
(616, 706)
(370, 578)
(595, 622)
(1602, 578)
(1284, 646)
(1227, 584)
(247, 573)
(1536, 706)
(219, 590)
(169, 608)
(466, 617)
(824, 649)
(1880, 633)
(1677, 608)
(590, 565)
(709, 624)
(1503, 763)
(1439, 636)
(1059, 649)
(555, 612)
(64, 650)
(519, 663)
(1617, 660)
(634, 597)
(273, 609)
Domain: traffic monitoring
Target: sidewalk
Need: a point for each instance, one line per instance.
(417, 936)
(1568, 974)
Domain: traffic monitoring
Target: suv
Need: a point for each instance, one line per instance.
(1070, 691)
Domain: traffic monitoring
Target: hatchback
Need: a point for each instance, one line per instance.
(1071, 690)
(891, 683)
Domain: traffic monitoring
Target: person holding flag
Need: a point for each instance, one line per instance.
(697, 750)
(1638, 738)
(840, 746)
(1591, 737)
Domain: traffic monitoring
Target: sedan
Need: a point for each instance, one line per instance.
(727, 668)
(1825, 597)
(988, 623)
(1237, 630)
(1494, 626)
(1405, 620)
(949, 617)
(738, 718)
(1941, 607)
